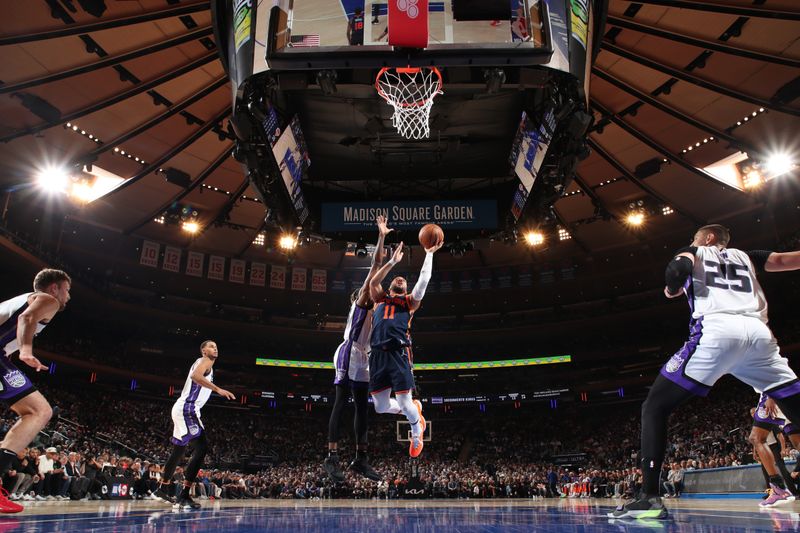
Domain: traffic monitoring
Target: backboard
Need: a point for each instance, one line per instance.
(313, 34)
(404, 431)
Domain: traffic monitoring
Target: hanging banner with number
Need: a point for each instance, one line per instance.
(149, 255)
(277, 278)
(172, 259)
(216, 267)
(194, 264)
(319, 280)
(299, 278)
(236, 275)
(258, 274)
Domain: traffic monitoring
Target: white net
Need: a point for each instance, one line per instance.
(410, 92)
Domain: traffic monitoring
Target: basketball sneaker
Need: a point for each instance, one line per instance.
(423, 423)
(651, 507)
(160, 494)
(778, 496)
(6, 505)
(415, 446)
(362, 466)
(331, 466)
(186, 503)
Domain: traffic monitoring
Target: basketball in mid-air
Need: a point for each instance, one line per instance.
(430, 234)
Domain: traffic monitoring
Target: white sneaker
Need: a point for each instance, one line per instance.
(13, 496)
(39, 498)
(50, 498)
(27, 497)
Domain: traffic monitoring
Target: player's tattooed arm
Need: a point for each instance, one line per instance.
(199, 377)
(375, 289)
(377, 260)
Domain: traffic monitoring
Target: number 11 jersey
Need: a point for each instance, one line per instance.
(391, 321)
(724, 282)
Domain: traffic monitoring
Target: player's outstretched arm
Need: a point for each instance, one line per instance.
(782, 261)
(415, 299)
(678, 270)
(199, 377)
(377, 260)
(42, 307)
(375, 289)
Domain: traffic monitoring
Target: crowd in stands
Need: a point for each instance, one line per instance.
(102, 436)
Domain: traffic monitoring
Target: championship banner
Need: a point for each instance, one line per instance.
(450, 214)
(524, 278)
(149, 255)
(466, 281)
(547, 277)
(299, 275)
(319, 280)
(194, 264)
(445, 282)
(277, 277)
(216, 267)
(357, 280)
(504, 278)
(485, 280)
(258, 274)
(172, 259)
(408, 23)
(236, 275)
(339, 283)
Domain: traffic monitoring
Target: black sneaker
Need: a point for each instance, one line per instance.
(187, 503)
(331, 466)
(362, 466)
(163, 496)
(641, 508)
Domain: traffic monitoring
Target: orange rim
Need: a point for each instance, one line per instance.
(408, 70)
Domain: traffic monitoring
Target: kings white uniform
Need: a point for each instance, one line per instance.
(728, 329)
(186, 411)
(14, 384)
(351, 359)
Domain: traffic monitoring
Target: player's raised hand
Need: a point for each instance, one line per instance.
(397, 256)
(435, 247)
(383, 229)
(228, 395)
(29, 359)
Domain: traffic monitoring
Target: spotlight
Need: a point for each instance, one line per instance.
(563, 234)
(83, 192)
(260, 239)
(635, 218)
(191, 227)
(534, 238)
(287, 242)
(53, 179)
(778, 164)
(667, 210)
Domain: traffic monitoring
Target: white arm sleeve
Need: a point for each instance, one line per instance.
(424, 278)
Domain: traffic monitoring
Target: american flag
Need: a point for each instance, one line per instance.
(305, 41)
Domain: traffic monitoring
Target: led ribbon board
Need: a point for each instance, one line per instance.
(506, 363)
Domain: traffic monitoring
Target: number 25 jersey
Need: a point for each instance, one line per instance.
(724, 282)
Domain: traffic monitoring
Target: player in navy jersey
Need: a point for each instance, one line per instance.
(728, 335)
(21, 318)
(390, 359)
(187, 426)
(355, 28)
(351, 362)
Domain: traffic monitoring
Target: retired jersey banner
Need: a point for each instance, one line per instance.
(339, 283)
(299, 278)
(485, 279)
(258, 274)
(149, 255)
(319, 280)
(216, 267)
(172, 259)
(194, 264)
(466, 281)
(445, 282)
(524, 278)
(450, 214)
(277, 277)
(236, 274)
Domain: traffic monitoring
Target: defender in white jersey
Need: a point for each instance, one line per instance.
(22, 318)
(728, 334)
(188, 427)
(351, 362)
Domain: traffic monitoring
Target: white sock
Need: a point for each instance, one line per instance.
(410, 410)
(384, 403)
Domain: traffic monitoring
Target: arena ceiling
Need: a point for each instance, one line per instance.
(136, 86)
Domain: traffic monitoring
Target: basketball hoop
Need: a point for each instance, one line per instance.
(410, 91)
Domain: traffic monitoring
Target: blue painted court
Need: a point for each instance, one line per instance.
(483, 516)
